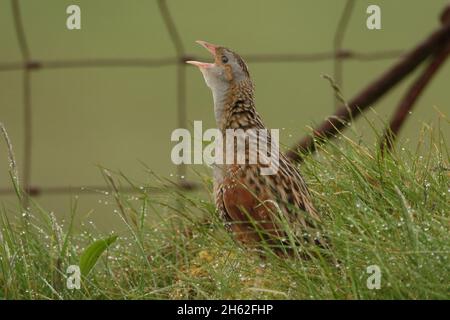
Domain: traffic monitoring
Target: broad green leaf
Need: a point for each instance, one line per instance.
(91, 254)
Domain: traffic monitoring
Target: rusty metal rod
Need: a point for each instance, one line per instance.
(331, 126)
(412, 95)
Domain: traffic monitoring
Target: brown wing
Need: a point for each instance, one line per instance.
(249, 201)
(249, 214)
(295, 188)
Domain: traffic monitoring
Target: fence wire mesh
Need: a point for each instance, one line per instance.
(28, 65)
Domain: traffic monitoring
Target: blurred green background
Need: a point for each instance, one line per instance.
(117, 117)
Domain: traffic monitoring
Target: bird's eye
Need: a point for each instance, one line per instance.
(224, 59)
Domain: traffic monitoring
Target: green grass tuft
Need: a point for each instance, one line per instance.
(391, 211)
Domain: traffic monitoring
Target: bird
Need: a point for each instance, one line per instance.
(255, 208)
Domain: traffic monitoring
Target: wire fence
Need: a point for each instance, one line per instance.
(28, 65)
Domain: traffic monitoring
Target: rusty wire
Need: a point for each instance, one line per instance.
(435, 44)
(28, 66)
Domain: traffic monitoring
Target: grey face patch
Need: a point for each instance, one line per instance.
(241, 64)
(239, 67)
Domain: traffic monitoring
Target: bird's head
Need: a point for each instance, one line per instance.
(227, 68)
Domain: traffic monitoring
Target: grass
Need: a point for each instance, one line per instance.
(391, 211)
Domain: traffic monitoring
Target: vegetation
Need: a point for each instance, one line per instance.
(388, 210)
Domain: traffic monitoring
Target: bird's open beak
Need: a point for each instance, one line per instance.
(208, 46)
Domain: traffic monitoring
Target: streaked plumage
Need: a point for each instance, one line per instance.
(248, 201)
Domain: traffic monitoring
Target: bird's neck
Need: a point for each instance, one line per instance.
(221, 96)
(234, 106)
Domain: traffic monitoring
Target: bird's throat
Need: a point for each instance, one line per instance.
(221, 96)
